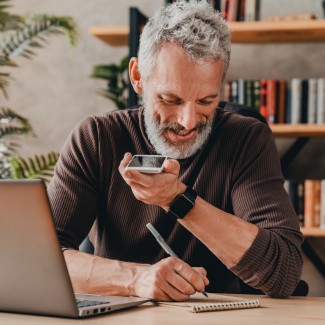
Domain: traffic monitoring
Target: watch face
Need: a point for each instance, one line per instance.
(183, 203)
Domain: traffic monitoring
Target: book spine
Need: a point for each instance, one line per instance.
(257, 10)
(248, 93)
(295, 109)
(304, 101)
(282, 101)
(263, 99)
(312, 100)
(256, 95)
(241, 10)
(232, 13)
(249, 10)
(320, 101)
(299, 202)
(322, 205)
(317, 193)
(271, 97)
(288, 106)
(241, 91)
(226, 10)
(227, 91)
(234, 91)
(309, 203)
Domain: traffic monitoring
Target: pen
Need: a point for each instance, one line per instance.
(164, 245)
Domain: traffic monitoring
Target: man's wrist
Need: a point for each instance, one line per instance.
(180, 190)
(182, 204)
(134, 287)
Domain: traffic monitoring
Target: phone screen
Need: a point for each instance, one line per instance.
(147, 161)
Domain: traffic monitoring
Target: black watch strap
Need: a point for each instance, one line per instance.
(183, 203)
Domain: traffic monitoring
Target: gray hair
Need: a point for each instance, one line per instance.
(195, 26)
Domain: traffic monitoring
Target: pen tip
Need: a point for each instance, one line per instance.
(205, 293)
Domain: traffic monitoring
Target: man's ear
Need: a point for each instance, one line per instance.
(135, 76)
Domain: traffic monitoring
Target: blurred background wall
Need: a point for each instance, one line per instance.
(54, 89)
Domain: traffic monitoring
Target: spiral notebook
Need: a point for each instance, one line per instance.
(198, 304)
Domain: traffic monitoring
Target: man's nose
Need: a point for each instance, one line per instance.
(187, 116)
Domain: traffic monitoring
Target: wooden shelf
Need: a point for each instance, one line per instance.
(298, 130)
(281, 31)
(113, 35)
(242, 32)
(313, 232)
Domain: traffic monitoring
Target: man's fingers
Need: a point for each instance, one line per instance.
(196, 279)
(172, 291)
(203, 272)
(171, 166)
(179, 283)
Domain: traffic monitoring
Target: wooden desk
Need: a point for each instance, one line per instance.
(295, 310)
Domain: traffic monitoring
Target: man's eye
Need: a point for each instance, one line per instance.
(173, 101)
(205, 103)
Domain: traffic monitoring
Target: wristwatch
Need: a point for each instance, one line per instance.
(182, 204)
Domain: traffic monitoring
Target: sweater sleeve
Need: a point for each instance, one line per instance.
(73, 188)
(273, 263)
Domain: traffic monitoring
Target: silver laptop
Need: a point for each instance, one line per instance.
(33, 275)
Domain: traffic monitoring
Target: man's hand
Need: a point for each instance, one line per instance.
(169, 279)
(157, 189)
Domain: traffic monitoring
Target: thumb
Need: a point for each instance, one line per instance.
(171, 166)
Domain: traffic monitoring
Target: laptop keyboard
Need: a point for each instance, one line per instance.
(88, 303)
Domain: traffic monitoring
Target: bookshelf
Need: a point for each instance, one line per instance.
(280, 31)
(298, 130)
(242, 32)
(313, 232)
(112, 35)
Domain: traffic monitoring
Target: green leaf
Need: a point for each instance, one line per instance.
(39, 166)
(117, 81)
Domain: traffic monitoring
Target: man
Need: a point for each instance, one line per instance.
(242, 227)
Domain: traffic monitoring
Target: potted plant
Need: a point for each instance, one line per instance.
(20, 36)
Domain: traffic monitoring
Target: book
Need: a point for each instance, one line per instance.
(281, 101)
(241, 10)
(304, 101)
(320, 105)
(250, 10)
(312, 203)
(241, 91)
(295, 108)
(263, 99)
(232, 10)
(312, 100)
(322, 205)
(198, 304)
(271, 100)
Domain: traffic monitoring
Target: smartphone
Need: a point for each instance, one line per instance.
(147, 163)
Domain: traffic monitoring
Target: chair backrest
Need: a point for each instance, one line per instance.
(242, 110)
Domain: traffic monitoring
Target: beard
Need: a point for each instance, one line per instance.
(175, 150)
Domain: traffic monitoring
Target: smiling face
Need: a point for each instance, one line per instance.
(180, 99)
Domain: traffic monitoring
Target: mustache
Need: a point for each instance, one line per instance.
(176, 127)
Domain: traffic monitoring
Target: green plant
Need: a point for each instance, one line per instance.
(38, 167)
(117, 79)
(19, 36)
(11, 126)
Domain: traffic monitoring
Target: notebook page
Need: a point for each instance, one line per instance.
(197, 304)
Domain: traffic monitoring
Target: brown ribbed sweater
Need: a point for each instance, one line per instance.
(241, 175)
